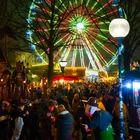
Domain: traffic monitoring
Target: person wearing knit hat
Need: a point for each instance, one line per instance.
(100, 120)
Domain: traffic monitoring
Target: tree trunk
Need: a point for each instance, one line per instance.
(50, 68)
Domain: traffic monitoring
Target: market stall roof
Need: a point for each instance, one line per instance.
(66, 78)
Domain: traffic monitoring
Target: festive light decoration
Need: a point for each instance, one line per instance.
(80, 26)
(85, 36)
(114, 2)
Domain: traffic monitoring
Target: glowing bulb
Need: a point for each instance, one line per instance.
(80, 26)
(61, 81)
(119, 27)
(128, 85)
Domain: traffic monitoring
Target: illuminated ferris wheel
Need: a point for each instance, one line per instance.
(85, 35)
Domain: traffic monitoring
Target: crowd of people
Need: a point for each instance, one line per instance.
(87, 111)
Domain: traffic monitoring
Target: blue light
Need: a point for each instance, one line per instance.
(29, 32)
(29, 20)
(32, 7)
(128, 85)
(121, 12)
(39, 59)
(33, 13)
(33, 47)
(33, 10)
(38, 1)
(115, 3)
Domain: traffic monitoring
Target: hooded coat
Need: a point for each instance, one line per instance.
(64, 125)
(101, 125)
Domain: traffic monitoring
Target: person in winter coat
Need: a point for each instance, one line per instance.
(75, 103)
(100, 121)
(18, 126)
(64, 124)
(4, 120)
(47, 121)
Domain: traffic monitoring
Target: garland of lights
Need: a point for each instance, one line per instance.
(85, 33)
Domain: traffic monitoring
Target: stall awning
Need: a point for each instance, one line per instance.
(66, 78)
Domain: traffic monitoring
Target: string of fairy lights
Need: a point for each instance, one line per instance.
(85, 35)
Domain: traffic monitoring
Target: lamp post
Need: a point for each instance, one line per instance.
(63, 64)
(119, 28)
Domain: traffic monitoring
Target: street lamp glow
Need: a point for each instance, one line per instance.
(63, 63)
(119, 28)
(80, 26)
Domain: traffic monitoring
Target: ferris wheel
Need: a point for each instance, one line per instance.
(85, 36)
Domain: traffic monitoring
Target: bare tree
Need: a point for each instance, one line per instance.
(45, 25)
(6, 30)
(132, 41)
